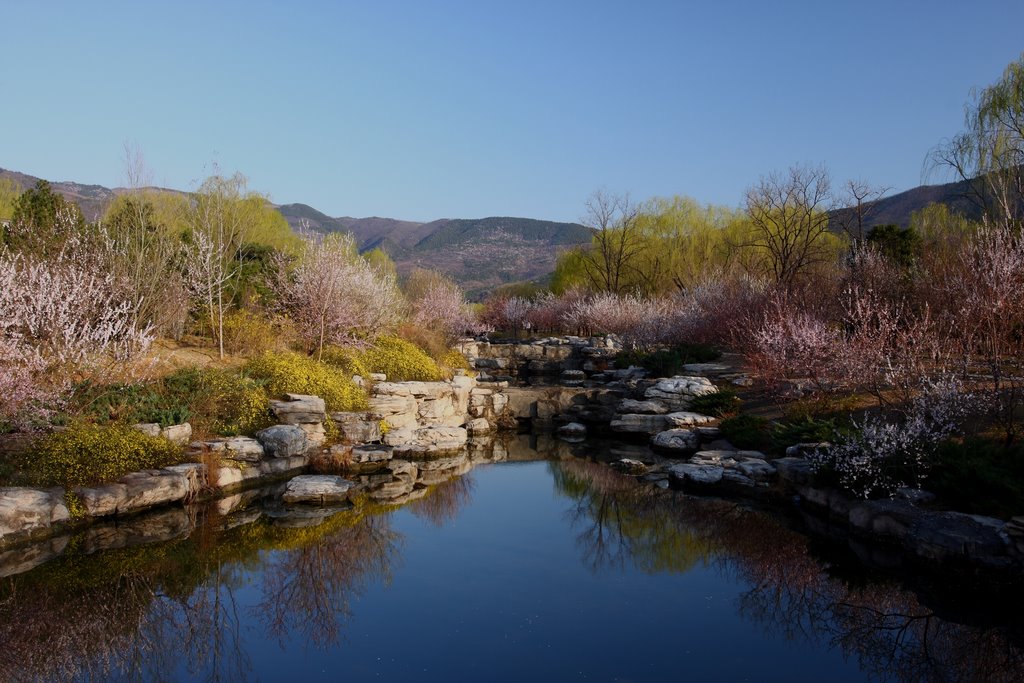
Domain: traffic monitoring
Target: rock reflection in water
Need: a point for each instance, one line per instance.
(137, 613)
(886, 627)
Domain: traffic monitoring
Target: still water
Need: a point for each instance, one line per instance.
(532, 570)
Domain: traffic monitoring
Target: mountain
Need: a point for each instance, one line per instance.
(91, 199)
(480, 254)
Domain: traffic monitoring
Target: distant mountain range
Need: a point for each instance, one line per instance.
(484, 253)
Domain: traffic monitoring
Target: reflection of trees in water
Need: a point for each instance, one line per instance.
(617, 527)
(307, 591)
(138, 613)
(444, 501)
(884, 626)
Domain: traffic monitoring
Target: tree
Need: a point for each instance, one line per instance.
(860, 201)
(789, 223)
(9, 193)
(616, 244)
(333, 296)
(990, 151)
(43, 221)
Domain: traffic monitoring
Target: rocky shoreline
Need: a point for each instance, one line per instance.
(417, 434)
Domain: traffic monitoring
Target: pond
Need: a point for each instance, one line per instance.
(529, 569)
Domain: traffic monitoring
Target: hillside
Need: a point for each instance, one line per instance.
(484, 253)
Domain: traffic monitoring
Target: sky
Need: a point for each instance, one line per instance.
(430, 109)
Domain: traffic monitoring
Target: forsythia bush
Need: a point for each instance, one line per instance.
(219, 401)
(401, 361)
(294, 373)
(454, 360)
(247, 332)
(347, 360)
(86, 454)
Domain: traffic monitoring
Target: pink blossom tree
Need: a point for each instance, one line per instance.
(333, 296)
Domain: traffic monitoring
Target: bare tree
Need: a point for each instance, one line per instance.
(860, 201)
(789, 222)
(616, 244)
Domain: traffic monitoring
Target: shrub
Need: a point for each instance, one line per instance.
(721, 403)
(808, 430)
(746, 431)
(979, 476)
(670, 361)
(86, 454)
(401, 361)
(292, 373)
(248, 333)
(455, 360)
(347, 360)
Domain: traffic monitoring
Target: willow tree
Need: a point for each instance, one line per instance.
(990, 151)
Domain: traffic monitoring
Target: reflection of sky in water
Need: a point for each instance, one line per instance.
(500, 593)
(528, 571)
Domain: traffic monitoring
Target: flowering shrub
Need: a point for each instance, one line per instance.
(442, 307)
(293, 373)
(26, 399)
(401, 361)
(882, 456)
(86, 454)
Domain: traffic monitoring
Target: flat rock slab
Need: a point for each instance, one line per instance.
(639, 423)
(24, 509)
(317, 489)
(687, 419)
(299, 409)
(630, 405)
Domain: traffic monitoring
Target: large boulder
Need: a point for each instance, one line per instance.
(283, 441)
(152, 487)
(630, 405)
(676, 442)
(358, 427)
(678, 392)
(431, 442)
(318, 489)
(687, 419)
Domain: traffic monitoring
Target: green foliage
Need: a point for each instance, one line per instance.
(9, 193)
(900, 246)
(719, 404)
(401, 361)
(808, 430)
(979, 476)
(292, 373)
(84, 454)
(668, 362)
(746, 431)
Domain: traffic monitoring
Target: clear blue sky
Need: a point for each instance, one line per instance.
(422, 110)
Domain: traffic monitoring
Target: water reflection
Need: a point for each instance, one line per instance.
(247, 569)
(892, 635)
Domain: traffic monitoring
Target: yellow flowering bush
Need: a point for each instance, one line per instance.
(401, 361)
(84, 454)
(290, 372)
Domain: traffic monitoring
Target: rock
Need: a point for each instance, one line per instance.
(794, 470)
(378, 377)
(678, 392)
(802, 450)
(698, 474)
(24, 510)
(195, 476)
(687, 419)
(318, 489)
(177, 434)
(734, 476)
(676, 441)
(478, 426)
(152, 487)
(102, 500)
(403, 467)
(229, 477)
(638, 424)
(629, 405)
(630, 466)
(316, 435)
(915, 496)
(573, 375)
(358, 427)
(243, 449)
(22, 559)
(299, 409)
(283, 441)
(573, 430)
(724, 458)
(709, 433)
(432, 442)
(706, 368)
(366, 454)
(148, 428)
(757, 469)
